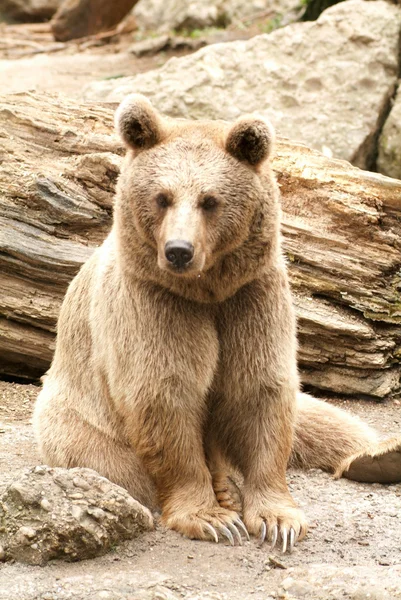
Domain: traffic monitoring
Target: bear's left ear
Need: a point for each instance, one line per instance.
(138, 123)
(250, 139)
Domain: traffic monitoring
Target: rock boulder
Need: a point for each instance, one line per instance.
(389, 159)
(326, 83)
(165, 15)
(28, 10)
(66, 513)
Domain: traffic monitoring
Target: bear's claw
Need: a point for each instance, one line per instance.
(262, 536)
(289, 538)
(227, 533)
(230, 532)
(212, 532)
(244, 530)
(274, 536)
(293, 539)
(236, 533)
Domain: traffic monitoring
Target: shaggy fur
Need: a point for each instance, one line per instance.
(166, 379)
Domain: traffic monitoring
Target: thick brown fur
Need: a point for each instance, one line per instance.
(165, 379)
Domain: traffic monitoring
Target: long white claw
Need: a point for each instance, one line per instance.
(292, 539)
(274, 537)
(212, 532)
(284, 538)
(262, 535)
(235, 533)
(227, 533)
(242, 527)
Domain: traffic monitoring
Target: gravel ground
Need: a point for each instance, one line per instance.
(353, 550)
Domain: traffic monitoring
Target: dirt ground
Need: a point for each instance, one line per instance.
(353, 549)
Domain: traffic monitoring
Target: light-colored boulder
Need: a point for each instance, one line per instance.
(325, 83)
(165, 15)
(66, 513)
(389, 159)
(28, 10)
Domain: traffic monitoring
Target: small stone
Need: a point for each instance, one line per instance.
(276, 563)
(45, 504)
(27, 532)
(287, 583)
(79, 482)
(25, 494)
(40, 470)
(2, 554)
(96, 513)
(150, 45)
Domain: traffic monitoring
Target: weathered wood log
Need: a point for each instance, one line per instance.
(80, 18)
(342, 233)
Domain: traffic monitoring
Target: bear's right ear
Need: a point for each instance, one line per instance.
(138, 123)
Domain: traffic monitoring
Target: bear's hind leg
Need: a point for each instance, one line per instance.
(223, 480)
(66, 440)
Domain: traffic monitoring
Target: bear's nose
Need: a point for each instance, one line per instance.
(179, 253)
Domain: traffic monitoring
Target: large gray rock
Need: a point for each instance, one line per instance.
(389, 159)
(66, 513)
(28, 10)
(165, 15)
(326, 83)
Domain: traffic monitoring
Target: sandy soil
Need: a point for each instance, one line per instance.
(353, 549)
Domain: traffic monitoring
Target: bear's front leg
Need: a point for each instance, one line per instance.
(161, 358)
(269, 510)
(253, 415)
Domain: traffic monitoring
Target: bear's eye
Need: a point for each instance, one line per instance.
(162, 200)
(209, 203)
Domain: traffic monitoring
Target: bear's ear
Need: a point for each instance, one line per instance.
(250, 139)
(138, 123)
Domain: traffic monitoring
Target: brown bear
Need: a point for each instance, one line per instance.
(175, 361)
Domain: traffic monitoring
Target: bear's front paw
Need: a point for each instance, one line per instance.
(207, 524)
(272, 522)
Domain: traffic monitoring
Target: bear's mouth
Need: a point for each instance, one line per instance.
(190, 270)
(187, 271)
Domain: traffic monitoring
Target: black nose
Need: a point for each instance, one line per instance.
(179, 253)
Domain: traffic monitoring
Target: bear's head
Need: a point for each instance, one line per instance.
(197, 209)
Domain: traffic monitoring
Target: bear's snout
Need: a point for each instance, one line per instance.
(179, 253)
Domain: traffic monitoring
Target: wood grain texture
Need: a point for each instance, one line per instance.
(342, 235)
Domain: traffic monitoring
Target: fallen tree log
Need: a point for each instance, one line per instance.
(342, 232)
